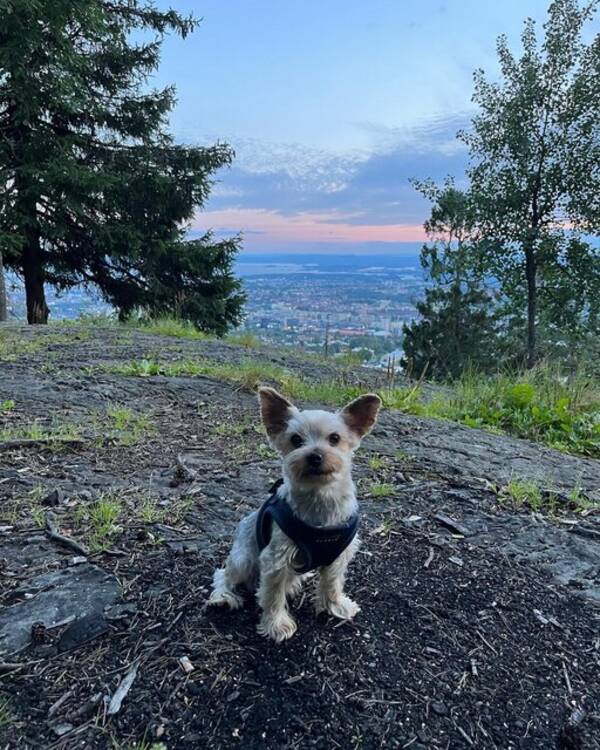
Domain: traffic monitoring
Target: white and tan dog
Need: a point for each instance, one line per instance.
(316, 448)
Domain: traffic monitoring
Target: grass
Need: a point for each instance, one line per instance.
(376, 463)
(7, 405)
(13, 345)
(103, 516)
(524, 492)
(528, 493)
(6, 717)
(150, 510)
(165, 326)
(127, 427)
(245, 338)
(382, 489)
(539, 405)
(36, 431)
(249, 374)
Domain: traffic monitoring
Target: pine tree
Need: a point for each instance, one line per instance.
(457, 320)
(535, 176)
(93, 189)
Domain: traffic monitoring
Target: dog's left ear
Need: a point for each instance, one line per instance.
(275, 411)
(360, 415)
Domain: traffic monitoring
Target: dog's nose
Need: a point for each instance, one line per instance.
(315, 459)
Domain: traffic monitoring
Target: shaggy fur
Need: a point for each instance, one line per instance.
(316, 449)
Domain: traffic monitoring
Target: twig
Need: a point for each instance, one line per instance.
(487, 643)
(567, 680)
(429, 560)
(124, 687)
(52, 532)
(55, 706)
(464, 734)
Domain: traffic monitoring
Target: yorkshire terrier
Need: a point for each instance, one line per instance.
(310, 520)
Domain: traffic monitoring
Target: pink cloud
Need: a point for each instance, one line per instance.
(273, 228)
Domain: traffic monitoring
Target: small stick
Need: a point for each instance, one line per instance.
(429, 558)
(55, 706)
(124, 687)
(464, 734)
(567, 680)
(66, 541)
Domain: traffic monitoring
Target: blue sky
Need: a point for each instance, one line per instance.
(331, 107)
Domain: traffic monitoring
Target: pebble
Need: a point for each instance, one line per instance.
(439, 708)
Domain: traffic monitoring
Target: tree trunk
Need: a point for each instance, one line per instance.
(3, 302)
(33, 271)
(530, 272)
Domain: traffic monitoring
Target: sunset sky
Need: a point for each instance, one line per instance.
(332, 106)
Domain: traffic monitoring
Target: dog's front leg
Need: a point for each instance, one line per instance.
(330, 590)
(275, 622)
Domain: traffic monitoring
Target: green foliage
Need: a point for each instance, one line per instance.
(246, 339)
(382, 489)
(165, 326)
(127, 427)
(376, 463)
(535, 179)
(103, 516)
(94, 190)
(540, 405)
(524, 492)
(457, 322)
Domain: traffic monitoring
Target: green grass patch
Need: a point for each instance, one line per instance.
(165, 326)
(14, 345)
(56, 433)
(245, 338)
(126, 427)
(524, 492)
(382, 489)
(102, 517)
(376, 463)
(540, 405)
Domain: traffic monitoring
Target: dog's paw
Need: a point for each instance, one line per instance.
(279, 627)
(342, 607)
(225, 599)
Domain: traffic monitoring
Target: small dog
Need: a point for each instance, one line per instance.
(317, 490)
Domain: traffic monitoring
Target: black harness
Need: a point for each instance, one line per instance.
(318, 546)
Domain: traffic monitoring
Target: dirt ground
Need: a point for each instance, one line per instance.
(479, 623)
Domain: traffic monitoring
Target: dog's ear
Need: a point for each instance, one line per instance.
(275, 411)
(360, 415)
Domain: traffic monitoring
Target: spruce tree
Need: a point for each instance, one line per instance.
(93, 189)
(457, 320)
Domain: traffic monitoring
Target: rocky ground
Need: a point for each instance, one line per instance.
(480, 621)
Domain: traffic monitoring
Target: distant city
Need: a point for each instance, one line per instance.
(351, 306)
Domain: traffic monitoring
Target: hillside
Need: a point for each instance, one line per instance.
(126, 459)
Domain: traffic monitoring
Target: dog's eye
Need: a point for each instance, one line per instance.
(334, 438)
(296, 440)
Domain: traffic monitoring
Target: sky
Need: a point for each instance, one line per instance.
(331, 107)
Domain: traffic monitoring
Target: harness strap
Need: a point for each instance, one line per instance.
(318, 546)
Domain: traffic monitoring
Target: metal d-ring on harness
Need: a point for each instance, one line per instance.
(318, 545)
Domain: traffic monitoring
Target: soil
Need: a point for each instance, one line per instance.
(479, 623)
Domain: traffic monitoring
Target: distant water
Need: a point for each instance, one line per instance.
(70, 304)
(285, 263)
